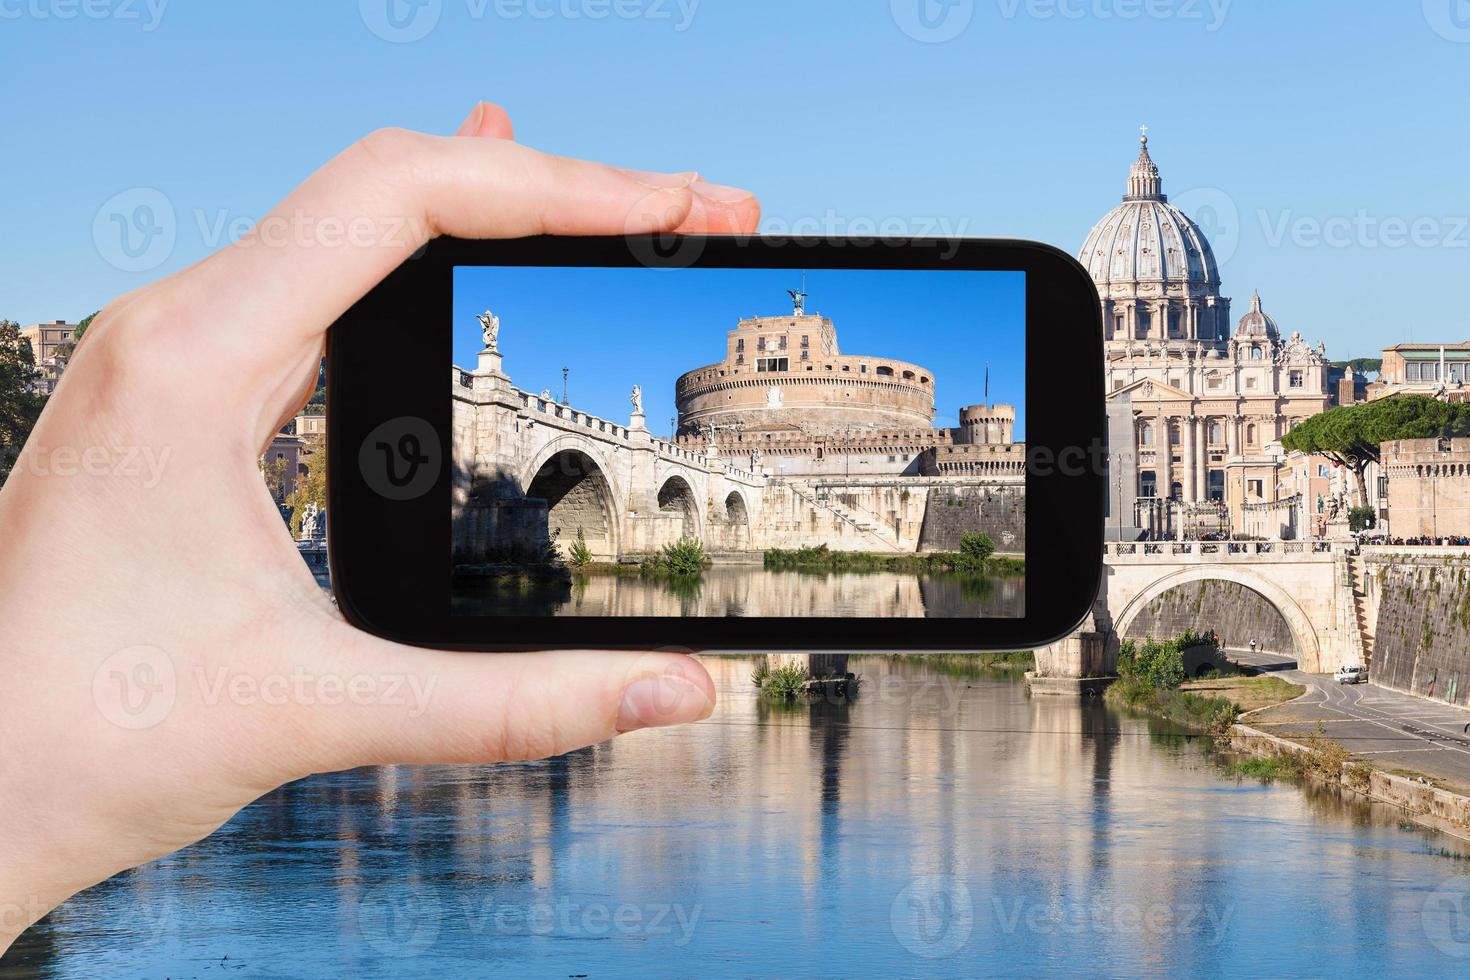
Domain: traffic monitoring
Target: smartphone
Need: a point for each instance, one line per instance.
(710, 443)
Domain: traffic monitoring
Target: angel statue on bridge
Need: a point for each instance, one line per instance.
(491, 326)
(637, 399)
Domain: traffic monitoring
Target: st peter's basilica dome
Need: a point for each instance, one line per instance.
(1146, 240)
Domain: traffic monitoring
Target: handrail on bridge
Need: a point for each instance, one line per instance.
(1212, 550)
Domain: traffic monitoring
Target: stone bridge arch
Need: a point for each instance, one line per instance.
(735, 508)
(575, 479)
(1303, 632)
(678, 496)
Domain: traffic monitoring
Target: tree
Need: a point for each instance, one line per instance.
(274, 471)
(311, 486)
(1353, 435)
(20, 398)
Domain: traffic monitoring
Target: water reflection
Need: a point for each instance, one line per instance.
(743, 590)
(939, 825)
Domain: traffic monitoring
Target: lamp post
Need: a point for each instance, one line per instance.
(565, 372)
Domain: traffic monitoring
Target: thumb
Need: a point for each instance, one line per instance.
(492, 707)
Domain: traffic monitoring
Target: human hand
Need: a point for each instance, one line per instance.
(167, 656)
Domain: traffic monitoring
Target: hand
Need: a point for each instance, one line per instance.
(167, 657)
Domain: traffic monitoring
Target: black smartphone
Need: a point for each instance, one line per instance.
(715, 443)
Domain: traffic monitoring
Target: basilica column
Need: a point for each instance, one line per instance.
(1202, 458)
(1165, 446)
(1188, 458)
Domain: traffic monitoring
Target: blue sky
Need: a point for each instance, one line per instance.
(618, 327)
(1322, 143)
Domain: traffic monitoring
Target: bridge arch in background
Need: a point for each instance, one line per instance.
(1303, 633)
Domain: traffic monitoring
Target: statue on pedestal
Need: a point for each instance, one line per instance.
(490, 324)
(637, 399)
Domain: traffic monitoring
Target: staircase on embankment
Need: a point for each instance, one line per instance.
(869, 534)
(1360, 607)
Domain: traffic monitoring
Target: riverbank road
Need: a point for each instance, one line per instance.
(1396, 732)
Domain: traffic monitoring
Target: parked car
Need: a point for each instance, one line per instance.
(1351, 675)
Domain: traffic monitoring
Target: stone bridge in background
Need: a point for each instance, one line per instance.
(529, 469)
(1316, 587)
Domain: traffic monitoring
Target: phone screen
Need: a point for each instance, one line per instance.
(738, 442)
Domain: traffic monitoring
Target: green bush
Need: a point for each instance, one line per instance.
(579, 554)
(786, 683)
(976, 547)
(1361, 519)
(687, 557)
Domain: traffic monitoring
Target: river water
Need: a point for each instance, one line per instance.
(941, 825)
(751, 590)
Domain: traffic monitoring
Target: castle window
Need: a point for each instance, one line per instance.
(885, 372)
(805, 341)
(783, 341)
(740, 344)
(806, 356)
(908, 375)
(772, 364)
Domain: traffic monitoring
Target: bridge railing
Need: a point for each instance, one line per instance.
(1205, 551)
(554, 409)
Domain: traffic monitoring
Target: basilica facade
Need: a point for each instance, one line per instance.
(1208, 398)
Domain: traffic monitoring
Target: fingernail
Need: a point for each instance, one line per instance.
(721, 194)
(471, 123)
(659, 182)
(662, 699)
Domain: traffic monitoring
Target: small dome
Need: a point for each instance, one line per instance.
(1147, 239)
(1257, 323)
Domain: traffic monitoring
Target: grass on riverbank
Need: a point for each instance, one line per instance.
(824, 559)
(1153, 679)
(1195, 712)
(1247, 693)
(968, 664)
(1319, 757)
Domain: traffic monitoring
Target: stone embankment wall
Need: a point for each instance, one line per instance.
(1234, 611)
(1420, 609)
(998, 511)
